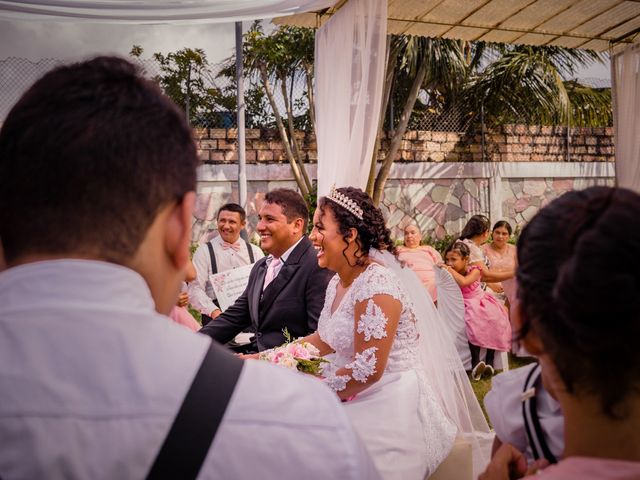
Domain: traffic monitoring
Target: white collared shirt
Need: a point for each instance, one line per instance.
(201, 295)
(504, 407)
(91, 378)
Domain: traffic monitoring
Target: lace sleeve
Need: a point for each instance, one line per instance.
(376, 317)
(372, 324)
(378, 280)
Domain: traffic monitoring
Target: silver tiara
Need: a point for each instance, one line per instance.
(345, 202)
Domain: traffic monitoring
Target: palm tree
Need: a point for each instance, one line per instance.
(280, 59)
(530, 82)
(434, 65)
(509, 82)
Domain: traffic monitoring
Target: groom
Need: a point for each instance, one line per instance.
(286, 289)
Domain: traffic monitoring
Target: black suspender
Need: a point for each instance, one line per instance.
(214, 264)
(535, 434)
(250, 250)
(194, 428)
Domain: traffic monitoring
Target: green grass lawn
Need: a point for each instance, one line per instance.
(482, 386)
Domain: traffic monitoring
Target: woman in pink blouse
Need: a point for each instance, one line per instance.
(501, 255)
(420, 258)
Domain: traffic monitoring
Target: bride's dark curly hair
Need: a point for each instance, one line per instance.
(372, 229)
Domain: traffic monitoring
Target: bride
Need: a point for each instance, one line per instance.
(392, 362)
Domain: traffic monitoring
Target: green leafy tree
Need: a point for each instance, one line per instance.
(277, 62)
(510, 83)
(414, 64)
(186, 77)
(528, 83)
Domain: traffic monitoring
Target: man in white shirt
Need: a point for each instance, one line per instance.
(224, 252)
(97, 177)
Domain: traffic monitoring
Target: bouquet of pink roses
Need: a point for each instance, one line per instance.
(295, 355)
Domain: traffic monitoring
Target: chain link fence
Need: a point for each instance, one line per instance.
(209, 95)
(16, 76)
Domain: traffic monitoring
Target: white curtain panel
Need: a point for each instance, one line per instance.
(626, 77)
(349, 74)
(155, 11)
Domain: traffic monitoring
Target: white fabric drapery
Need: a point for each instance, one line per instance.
(349, 73)
(626, 87)
(155, 11)
(441, 365)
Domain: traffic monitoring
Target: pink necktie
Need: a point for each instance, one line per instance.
(232, 246)
(271, 272)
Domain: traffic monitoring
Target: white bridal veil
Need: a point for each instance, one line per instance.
(440, 361)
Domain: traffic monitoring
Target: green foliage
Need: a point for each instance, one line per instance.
(195, 314)
(274, 64)
(310, 366)
(183, 78)
(136, 51)
(590, 107)
(258, 113)
(312, 202)
(286, 55)
(440, 245)
(526, 84)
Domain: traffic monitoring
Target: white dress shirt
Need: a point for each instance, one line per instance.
(201, 295)
(91, 378)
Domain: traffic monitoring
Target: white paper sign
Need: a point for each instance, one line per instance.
(229, 285)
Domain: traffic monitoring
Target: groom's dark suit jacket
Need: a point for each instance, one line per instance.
(293, 300)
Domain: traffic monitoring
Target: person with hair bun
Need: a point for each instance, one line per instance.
(475, 233)
(501, 256)
(389, 353)
(578, 246)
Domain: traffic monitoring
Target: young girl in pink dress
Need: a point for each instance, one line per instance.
(486, 320)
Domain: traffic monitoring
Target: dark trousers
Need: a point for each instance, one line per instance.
(231, 345)
(475, 355)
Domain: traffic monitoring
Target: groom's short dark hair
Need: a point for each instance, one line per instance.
(292, 204)
(88, 156)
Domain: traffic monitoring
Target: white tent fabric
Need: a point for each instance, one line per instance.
(155, 11)
(626, 78)
(349, 64)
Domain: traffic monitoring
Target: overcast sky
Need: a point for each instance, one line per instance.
(35, 40)
(64, 40)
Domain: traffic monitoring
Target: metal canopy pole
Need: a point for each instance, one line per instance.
(242, 163)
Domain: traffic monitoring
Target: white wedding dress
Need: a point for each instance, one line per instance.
(399, 417)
